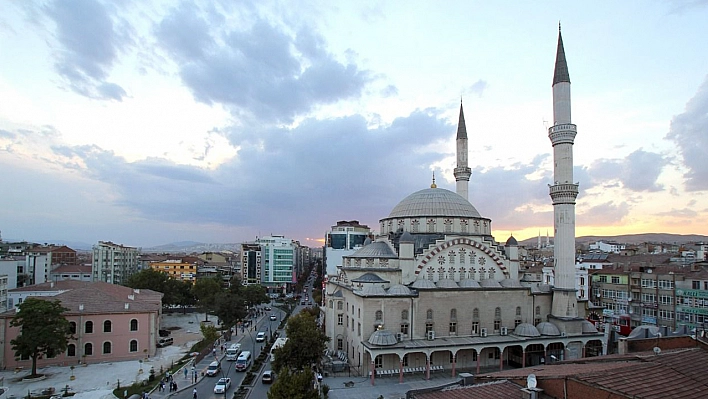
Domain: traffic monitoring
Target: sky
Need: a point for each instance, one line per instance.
(151, 122)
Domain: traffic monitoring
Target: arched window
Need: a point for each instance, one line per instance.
(134, 345)
(106, 347)
(518, 311)
(107, 326)
(475, 314)
(88, 349)
(538, 310)
(453, 314)
(88, 327)
(404, 315)
(497, 314)
(429, 314)
(71, 350)
(379, 315)
(134, 325)
(72, 327)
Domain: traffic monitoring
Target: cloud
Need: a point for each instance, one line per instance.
(90, 42)
(688, 131)
(261, 70)
(605, 214)
(638, 171)
(478, 87)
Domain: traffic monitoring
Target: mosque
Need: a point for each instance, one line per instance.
(434, 291)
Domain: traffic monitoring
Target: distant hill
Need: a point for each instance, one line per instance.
(192, 246)
(631, 239)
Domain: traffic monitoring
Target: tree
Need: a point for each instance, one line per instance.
(210, 333)
(294, 385)
(230, 308)
(206, 291)
(255, 295)
(43, 330)
(306, 343)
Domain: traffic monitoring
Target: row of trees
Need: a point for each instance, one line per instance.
(295, 360)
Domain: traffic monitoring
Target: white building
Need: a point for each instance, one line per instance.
(607, 247)
(269, 261)
(114, 263)
(343, 239)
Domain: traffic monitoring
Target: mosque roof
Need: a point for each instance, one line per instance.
(398, 289)
(461, 127)
(512, 242)
(383, 338)
(526, 330)
(423, 283)
(549, 329)
(369, 278)
(560, 74)
(434, 202)
(447, 283)
(469, 283)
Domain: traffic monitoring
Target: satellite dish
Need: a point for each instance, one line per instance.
(657, 350)
(531, 381)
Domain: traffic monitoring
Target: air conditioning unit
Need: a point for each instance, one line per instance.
(399, 337)
(483, 332)
(504, 331)
(431, 335)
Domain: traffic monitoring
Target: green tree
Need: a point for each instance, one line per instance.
(255, 295)
(209, 332)
(293, 385)
(43, 330)
(306, 343)
(230, 308)
(206, 290)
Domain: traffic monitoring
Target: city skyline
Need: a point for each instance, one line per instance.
(145, 123)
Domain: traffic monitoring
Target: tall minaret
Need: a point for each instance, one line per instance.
(462, 171)
(563, 191)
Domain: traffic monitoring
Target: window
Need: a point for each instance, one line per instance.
(106, 347)
(107, 326)
(339, 306)
(429, 314)
(71, 350)
(603, 279)
(359, 313)
(88, 327)
(340, 319)
(475, 328)
(648, 283)
(453, 314)
(359, 329)
(405, 360)
(379, 315)
(404, 315)
(88, 349)
(340, 344)
(72, 327)
(378, 362)
(475, 314)
(134, 345)
(666, 299)
(404, 328)
(696, 285)
(666, 284)
(615, 280)
(453, 328)
(497, 325)
(428, 327)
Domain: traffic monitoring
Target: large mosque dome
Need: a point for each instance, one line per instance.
(434, 202)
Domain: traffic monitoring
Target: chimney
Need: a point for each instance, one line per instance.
(467, 379)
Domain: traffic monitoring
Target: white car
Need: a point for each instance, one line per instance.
(223, 385)
(260, 337)
(273, 317)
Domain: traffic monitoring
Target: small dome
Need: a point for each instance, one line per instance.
(511, 242)
(510, 283)
(423, 283)
(526, 330)
(406, 237)
(398, 289)
(643, 332)
(447, 283)
(489, 283)
(378, 249)
(367, 241)
(588, 328)
(546, 328)
(469, 283)
(434, 202)
(369, 278)
(373, 289)
(383, 338)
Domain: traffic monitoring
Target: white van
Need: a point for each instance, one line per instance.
(213, 369)
(233, 352)
(243, 361)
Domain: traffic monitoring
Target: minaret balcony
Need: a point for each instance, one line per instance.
(562, 134)
(463, 173)
(565, 193)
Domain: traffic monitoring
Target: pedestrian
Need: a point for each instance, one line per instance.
(185, 373)
(175, 386)
(194, 393)
(213, 351)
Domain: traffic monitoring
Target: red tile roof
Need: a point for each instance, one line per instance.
(490, 390)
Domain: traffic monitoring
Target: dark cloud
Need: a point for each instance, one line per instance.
(638, 171)
(259, 70)
(689, 131)
(90, 44)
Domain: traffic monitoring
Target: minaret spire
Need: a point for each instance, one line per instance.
(462, 171)
(560, 74)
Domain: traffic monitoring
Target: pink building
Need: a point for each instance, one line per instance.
(109, 322)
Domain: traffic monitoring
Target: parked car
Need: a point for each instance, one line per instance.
(268, 309)
(268, 377)
(163, 342)
(260, 337)
(222, 385)
(273, 317)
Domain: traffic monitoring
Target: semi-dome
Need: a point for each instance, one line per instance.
(398, 289)
(434, 202)
(369, 278)
(489, 283)
(373, 290)
(549, 329)
(588, 328)
(510, 283)
(469, 283)
(383, 338)
(423, 283)
(447, 283)
(526, 330)
(378, 249)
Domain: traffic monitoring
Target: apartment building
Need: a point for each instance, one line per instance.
(114, 263)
